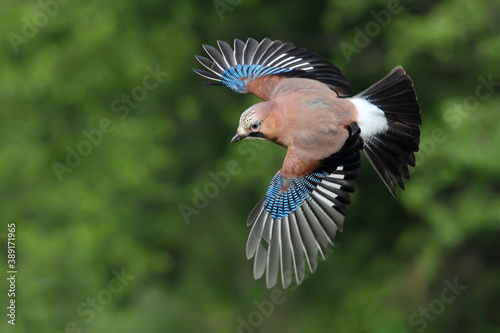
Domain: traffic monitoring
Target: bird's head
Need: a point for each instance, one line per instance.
(253, 123)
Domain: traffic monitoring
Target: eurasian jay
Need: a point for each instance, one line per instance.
(304, 111)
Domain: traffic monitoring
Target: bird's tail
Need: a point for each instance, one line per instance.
(389, 116)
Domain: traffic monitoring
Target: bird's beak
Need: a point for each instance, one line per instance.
(236, 138)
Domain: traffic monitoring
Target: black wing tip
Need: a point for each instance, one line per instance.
(215, 84)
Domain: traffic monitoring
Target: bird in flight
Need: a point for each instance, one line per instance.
(305, 110)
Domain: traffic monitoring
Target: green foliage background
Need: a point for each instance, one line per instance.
(119, 208)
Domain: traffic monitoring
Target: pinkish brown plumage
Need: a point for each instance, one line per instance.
(290, 118)
(302, 111)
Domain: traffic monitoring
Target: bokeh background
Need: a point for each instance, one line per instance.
(71, 67)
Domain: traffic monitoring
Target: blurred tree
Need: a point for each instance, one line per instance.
(105, 90)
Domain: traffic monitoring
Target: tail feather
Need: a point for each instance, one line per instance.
(390, 120)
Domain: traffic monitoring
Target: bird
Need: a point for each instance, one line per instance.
(306, 109)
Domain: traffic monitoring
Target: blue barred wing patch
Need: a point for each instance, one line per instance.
(300, 216)
(280, 203)
(238, 66)
(237, 78)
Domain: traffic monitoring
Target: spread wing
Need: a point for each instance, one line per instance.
(300, 216)
(237, 68)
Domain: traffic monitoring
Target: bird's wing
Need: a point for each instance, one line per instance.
(300, 216)
(237, 68)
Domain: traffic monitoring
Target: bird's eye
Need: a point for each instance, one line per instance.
(255, 126)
